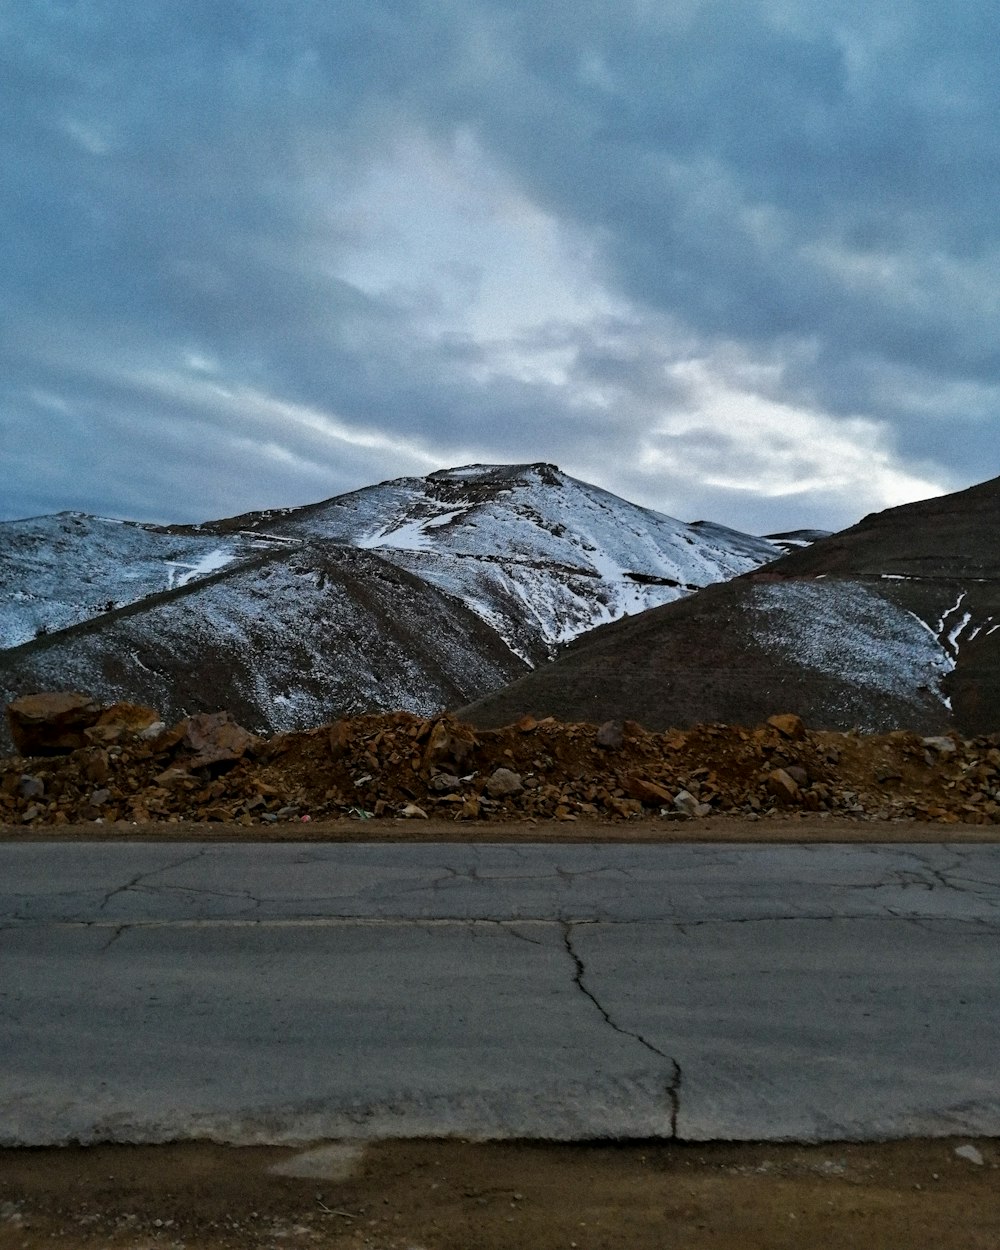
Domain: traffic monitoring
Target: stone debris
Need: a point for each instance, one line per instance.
(971, 1154)
(51, 723)
(207, 767)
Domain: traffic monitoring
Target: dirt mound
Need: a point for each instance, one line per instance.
(206, 768)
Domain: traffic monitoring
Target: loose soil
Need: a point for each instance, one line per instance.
(208, 769)
(454, 1195)
(791, 830)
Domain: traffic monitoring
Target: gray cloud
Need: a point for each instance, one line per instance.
(808, 187)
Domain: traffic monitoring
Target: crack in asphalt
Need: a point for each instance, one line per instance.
(150, 872)
(673, 1090)
(119, 930)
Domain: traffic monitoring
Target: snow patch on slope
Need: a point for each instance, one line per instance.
(537, 554)
(56, 571)
(848, 632)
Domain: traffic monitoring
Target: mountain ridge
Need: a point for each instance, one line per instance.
(416, 593)
(891, 623)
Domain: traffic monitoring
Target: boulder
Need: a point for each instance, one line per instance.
(52, 723)
(215, 738)
(340, 739)
(686, 803)
(782, 786)
(503, 782)
(444, 783)
(448, 742)
(788, 725)
(648, 792)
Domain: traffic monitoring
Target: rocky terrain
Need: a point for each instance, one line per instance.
(420, 594)
(894, 623)
(81, 761)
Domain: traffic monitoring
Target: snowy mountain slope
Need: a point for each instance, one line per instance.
(58, 570)
(294, 641)
(537, 554)
(894, 623)
(418, 593)
(796, 540)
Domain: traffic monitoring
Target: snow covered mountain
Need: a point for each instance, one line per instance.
(417, 593)
(894, 623)
(538, 555)
(56, 571)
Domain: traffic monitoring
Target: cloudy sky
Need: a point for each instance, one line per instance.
(730, 260)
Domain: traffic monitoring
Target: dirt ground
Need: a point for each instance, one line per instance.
(793, 828)
(453, 1195)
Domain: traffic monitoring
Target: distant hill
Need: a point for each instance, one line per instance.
(894, 622)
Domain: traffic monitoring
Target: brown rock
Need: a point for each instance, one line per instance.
(648, 792)
(339, 739)
(782, 786)
(527, 724)
(216, 738)
(51, 723)
(448, 741)
(131, 718)
(788, 725)
(96, 768)
(798, 774)
(170, 778)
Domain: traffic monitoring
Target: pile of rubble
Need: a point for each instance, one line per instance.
(80, 761)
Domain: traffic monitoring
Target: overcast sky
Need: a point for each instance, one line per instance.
(735, 261)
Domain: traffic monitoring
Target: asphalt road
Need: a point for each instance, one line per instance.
(284, 993)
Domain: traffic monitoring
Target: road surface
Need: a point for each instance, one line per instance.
(290, 992)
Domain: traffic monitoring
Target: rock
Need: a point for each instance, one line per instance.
(648, 792)
(216, 738)
(788, 725)
(132, 719)
(339, 738)
(51, 723)
(151, 731)
(31, 787)
(970, 1153)
(798, 775)
(451, 742)
(504, 782)
(412, 812)
(527, 724)
(783, 786)
(99, 798)
(685, 802)
(610, 735)
(943, 746)
(170, 778)
(444, 783)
